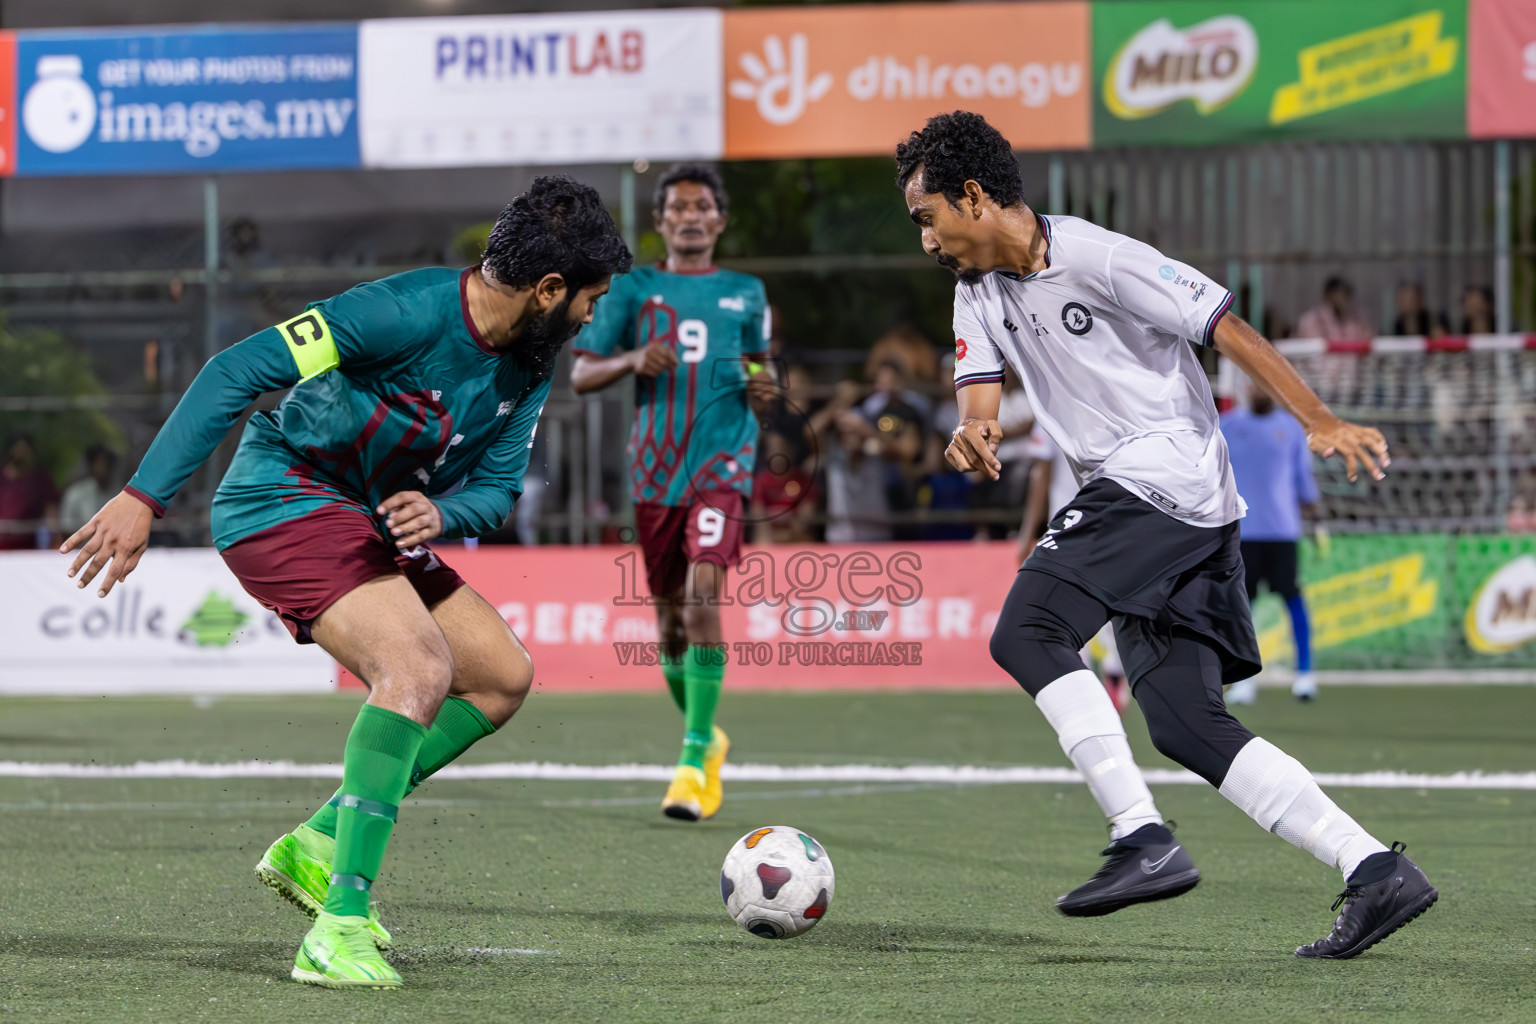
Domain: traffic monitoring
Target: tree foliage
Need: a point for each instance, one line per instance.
(42, 364)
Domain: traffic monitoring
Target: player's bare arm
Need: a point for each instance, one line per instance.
(593, 373)
(1036, 507)
(1327, 434)
(973, 444)
(114, 539)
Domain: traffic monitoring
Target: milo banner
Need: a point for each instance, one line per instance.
(1425, 601)
(1199, 72)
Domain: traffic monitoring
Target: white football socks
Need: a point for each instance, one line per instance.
(1275, 790)
(1092, 735)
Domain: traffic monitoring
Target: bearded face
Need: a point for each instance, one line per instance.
(542, 339)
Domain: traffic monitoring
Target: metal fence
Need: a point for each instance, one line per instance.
(147, 305)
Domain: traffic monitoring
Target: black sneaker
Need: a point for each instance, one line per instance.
(1144, 866)
(1385, 892)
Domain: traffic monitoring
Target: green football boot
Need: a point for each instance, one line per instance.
(298, 868)
(339, 952)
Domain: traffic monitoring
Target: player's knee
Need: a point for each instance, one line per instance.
(1035, 655)
(516, 675)
(1205, 742)
(701, 621)
(434, 661)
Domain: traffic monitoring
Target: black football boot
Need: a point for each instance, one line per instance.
(1385, 892)
(1149, 864)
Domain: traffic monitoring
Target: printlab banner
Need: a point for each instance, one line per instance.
(1501, 90)
(844, 81)
(174, 100)
(1207, 72)
(180, 624)
(541, 88)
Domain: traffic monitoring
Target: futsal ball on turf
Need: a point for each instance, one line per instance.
(776, 882)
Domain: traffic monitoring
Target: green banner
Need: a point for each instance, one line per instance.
(1426, 601)
(1198, 72)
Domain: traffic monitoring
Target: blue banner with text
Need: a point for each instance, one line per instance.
(174, 101)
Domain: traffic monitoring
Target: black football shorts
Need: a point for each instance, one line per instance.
(1159, 576)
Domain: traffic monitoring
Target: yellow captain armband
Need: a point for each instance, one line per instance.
(311, 344)
(754, 368)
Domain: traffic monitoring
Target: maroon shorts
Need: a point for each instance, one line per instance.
(707, 529)
(301, 567)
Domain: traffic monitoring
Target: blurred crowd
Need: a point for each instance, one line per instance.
(1336, 318)
(855, 459)
(863, 460)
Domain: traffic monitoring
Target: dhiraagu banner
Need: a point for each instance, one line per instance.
(1201, 72)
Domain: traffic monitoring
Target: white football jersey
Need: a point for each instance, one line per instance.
(1101, 338)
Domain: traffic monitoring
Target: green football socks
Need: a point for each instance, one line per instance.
(676, 676)
(459, 725)
(380, 756)
(703, 677)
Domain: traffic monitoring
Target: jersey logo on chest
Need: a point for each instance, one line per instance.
(1076, 318)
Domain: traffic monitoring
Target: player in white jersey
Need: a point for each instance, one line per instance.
(1052, 486)
(1098, 326)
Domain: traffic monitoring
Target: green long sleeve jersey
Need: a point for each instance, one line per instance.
(393, 389)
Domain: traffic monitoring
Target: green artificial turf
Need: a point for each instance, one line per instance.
(132, 900)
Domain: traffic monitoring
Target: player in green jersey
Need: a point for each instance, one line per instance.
(691, 334)
(413, 405)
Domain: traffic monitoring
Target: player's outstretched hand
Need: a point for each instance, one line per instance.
(114, 540)
(1358, 446)
(655, 358)
(973, 446)
(411, 519)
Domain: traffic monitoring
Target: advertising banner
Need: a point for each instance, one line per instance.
(178, 100)
(1496, 585)
(1501, 88)
(822, 617)
(7, 103)
(180, 624)
(540, 88)
(847, 81)
(1201, 72)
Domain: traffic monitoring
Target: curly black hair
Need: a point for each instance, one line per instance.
(559, 226)
(959, 147)
(699, 174)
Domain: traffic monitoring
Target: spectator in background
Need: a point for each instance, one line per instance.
(29, 501)
(783, 492)
(1335, 319)
(1412, 318)
(1273, 469)
(909, 347)
(1477, 310)
(84, 498)
(859, 456)
(945, 492)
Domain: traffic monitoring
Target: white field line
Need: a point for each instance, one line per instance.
(954, 775)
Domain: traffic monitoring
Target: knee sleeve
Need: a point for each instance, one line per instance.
(1042, 626)
(1186, 716)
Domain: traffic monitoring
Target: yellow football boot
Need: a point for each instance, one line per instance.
(685, 796)
(714, 757)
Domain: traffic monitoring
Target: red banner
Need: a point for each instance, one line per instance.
(1501, 86)
(822, 617)
(8, 112)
